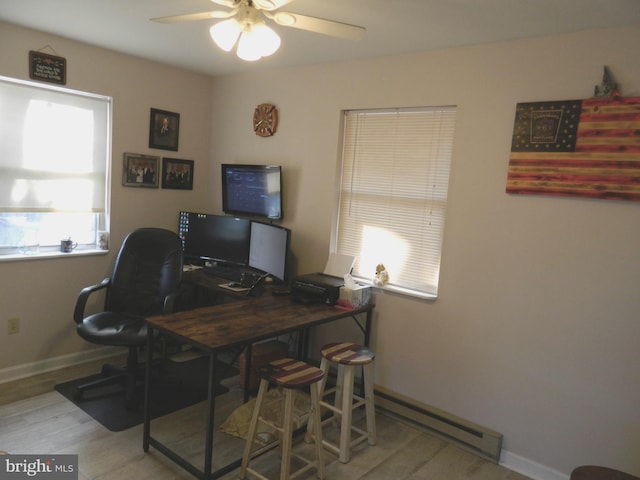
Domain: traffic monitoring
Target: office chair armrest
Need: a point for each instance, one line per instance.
(170, 301)
(81, 302)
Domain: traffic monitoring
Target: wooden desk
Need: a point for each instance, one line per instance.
(212, 329)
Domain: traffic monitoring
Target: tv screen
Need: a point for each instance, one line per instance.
(269, 249)
(217, 238)
(254, 190)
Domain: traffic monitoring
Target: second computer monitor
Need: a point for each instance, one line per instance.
(269, 248)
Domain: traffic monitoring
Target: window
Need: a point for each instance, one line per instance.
(393, 194)
(54, 164)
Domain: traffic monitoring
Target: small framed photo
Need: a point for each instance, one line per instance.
(140, 170)
(164, 128)
(177, 173)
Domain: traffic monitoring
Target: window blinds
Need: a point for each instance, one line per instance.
(393, 196)
(54, 148)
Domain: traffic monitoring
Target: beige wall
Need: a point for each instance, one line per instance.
(535, 332)
(42, 293)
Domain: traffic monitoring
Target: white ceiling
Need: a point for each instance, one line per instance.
(393, 27)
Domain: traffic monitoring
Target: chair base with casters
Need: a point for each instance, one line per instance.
(348, 357)
(94, 329)
(128, 376)
(290, 375)
(592, 472)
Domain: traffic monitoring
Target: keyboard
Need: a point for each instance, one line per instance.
(231, 273)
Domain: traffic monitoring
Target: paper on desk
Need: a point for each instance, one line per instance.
(235, 289)
(338, 264)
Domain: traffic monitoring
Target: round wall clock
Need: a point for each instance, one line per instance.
(265, 120)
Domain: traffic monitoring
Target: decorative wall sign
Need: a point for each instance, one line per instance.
(140, 170)
(265, 120)
(164, 129)
(578, 148)
(177, 173)
(48, 68)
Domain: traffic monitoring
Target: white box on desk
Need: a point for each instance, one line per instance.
(358, 296)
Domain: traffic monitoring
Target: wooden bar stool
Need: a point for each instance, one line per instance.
(291, 375)
(347, 356)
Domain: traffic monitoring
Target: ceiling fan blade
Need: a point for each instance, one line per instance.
(318, 25)
(227, 3)
(189, 17)
(268, 5)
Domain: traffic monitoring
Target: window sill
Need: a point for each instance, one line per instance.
(396, 289)
(52, 254)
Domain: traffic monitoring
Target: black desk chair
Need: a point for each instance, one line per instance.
(145, 281)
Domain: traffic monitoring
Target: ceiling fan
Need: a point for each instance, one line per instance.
(256, 40)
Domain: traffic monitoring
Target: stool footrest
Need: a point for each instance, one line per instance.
(273, 424)
(328, 406)
(264, 449)
(359, 403)
(256, 473)
(329, 391)
(309, 465)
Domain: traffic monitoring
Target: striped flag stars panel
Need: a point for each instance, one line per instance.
(582, 148)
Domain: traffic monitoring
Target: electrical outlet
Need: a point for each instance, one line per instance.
(13, 325)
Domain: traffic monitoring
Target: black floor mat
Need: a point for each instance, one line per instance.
(180, 385)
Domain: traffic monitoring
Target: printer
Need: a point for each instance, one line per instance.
(316, 288)
(323, 287)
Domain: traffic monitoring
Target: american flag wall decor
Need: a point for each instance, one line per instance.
(577, 148)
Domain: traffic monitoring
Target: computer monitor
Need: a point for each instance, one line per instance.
(269, 249)
(219, 238)
(252, 190)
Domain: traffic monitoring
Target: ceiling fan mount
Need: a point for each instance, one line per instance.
(244, 20)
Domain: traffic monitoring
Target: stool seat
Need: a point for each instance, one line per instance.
(290, 373)
(346, 353)
(592, 472)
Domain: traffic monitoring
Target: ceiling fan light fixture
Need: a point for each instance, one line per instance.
(246, 52)
(268, 39)
(257, 41)
(225, 34)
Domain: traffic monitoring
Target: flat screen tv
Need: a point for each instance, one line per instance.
(218, 238)
(269, 249)
(252, 190)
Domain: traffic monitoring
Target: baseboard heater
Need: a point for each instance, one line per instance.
(482, 441)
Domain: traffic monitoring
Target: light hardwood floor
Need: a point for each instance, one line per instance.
(35, 419)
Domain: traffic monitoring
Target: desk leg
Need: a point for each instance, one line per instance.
(367, 327)
(248, 351)
(211, 402)
(147, 388)
(303, 344)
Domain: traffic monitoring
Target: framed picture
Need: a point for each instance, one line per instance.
(164, 128)
(177, 173)
(140, 170)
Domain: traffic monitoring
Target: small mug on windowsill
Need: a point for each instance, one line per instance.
(67, 246)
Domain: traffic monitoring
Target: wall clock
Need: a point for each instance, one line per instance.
(265, 120)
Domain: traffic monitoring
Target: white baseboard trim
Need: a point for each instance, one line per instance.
(529, 468)
(35, 368)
